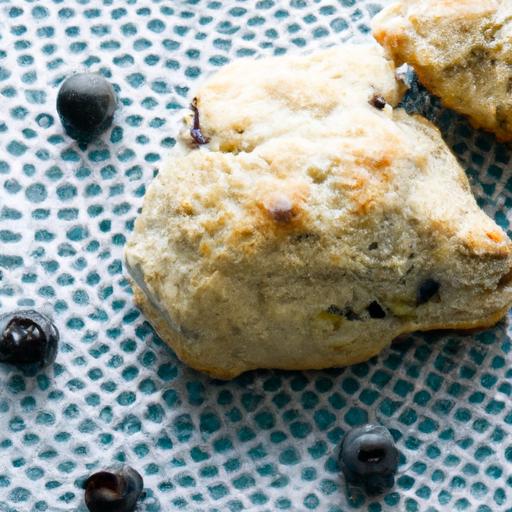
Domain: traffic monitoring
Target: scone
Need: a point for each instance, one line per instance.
(304, 222)
(461, 51)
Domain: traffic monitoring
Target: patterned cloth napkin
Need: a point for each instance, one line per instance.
(266, 441)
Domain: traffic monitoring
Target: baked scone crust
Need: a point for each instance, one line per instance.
(461, 51)
(180, 345)
(302, 235)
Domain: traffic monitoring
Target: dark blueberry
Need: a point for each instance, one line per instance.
(350, 315)
(369, 458)
(86, 104)
(426, 291)
(347, 312)
(378, 102)
(113, 491)
(375, 310)
(373, 246)
(28, 338)
(195, 131)
(334, 310)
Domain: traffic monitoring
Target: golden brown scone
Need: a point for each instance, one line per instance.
(461, 51)
(318, 223)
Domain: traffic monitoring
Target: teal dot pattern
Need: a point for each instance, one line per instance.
(268, 440)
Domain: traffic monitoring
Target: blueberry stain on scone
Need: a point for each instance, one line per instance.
(347, 312)
(280, 208)
(314, 227)
(195, 131)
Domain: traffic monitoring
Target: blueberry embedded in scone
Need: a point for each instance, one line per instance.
(313, 227)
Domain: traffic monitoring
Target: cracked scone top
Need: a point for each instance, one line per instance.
(316, 225)
(461, 51)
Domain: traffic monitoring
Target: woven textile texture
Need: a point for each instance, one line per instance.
(266, 441)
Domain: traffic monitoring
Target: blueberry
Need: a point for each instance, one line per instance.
(375, 310)
(28, 339)
(86, 104)
(426, 291)
(378, 102)
(369, 458)
(113, 491)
